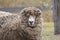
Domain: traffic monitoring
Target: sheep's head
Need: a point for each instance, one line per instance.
(31, 16)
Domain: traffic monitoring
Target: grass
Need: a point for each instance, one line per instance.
(48, 28)
(18, 3)
(48, 32)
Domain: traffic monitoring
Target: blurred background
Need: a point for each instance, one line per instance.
(15, 6)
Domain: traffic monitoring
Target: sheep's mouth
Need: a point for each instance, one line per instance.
(32, 26)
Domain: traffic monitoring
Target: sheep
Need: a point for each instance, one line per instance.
(25, 26)
(31, 23)
(8, 25)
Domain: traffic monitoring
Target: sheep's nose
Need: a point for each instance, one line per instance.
(31, 22)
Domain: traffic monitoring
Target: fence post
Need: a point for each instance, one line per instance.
(56, 13)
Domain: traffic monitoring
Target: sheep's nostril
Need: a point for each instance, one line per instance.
(31, 22)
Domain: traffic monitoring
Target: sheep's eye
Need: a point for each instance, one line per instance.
(27, 14)
(39, 13)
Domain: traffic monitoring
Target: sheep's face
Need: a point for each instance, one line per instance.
(31, 17)
(31, 21)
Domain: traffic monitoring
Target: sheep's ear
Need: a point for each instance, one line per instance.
(39, 12)
(23, 12)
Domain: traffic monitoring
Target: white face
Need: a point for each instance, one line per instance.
(31, 21)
